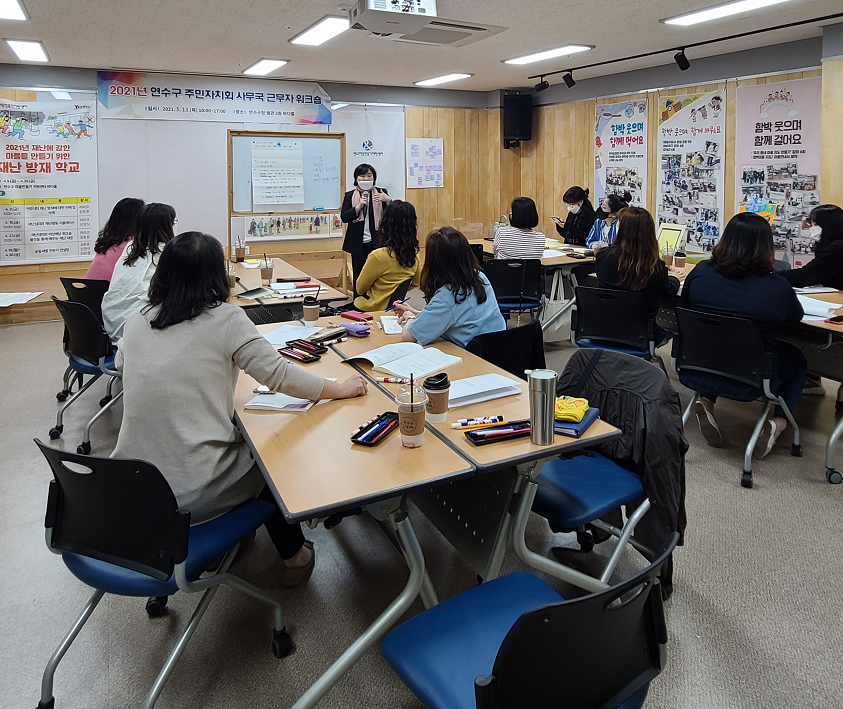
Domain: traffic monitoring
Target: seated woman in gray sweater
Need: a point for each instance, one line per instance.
(180, 358)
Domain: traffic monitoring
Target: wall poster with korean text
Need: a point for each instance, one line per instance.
(692, 137)
(48, 181)
(777, 160)
(620, 150)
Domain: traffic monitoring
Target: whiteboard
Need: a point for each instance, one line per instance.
(285, 174)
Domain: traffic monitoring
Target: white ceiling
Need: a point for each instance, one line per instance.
(225, 37)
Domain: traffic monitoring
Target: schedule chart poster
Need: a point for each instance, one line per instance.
(48, 181)
(425, 162)
(620, 150)
(692, 137)
(777, 159)
(173, 97)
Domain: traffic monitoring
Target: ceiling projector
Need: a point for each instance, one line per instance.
(392, 16)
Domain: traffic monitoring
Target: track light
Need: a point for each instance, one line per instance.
(681, 60)
(542, 85)
(569, 80)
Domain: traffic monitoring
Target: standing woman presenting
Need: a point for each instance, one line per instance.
(581, 216)
(362, 208)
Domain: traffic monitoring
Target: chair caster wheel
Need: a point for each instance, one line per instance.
(746, 479)
(105, 400)
(84, 448)
(47, 705)
(282, 643)
(156, 606)
(62, 395)
(55, 432)
(833, 476)
(796, 450)
(586, 541)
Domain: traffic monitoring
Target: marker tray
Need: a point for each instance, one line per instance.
(385, 416)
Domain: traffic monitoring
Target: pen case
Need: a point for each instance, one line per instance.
(355, 315)
(479, 437)
(391, 420)
(329, 335)
(299, 355)
(308, 346)
(357, 329)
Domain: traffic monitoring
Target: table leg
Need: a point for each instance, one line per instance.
(415, 561)
(428, 590)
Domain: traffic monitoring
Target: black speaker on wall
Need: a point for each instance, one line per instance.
(517, 117)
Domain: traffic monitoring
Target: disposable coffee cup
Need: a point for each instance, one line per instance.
(411, 415)
(240, 254)
(232, 279)
(310, 307)
(667, 256)
(438, 389)
(266, 272)
(679, 259)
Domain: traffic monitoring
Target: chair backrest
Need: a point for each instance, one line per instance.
(515, 280)
(268, 313)
(613, 316)
(477, 250)
(514, 349)
(400, 292)
(84, 335)
(707, 343)
(89, 291)
(592, 652)
(581, 274)
(119, 511)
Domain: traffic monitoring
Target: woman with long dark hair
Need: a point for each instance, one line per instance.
(605, 228)
(739, 279)
(395, 261)
(460, 301)
(134, 270)
(632, 261)
(114, 237)
(181, 356)
(574, 229)
(362, 209)
(826, 269)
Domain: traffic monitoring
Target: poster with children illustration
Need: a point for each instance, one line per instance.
(777, 160)
(48, 181)
(620, 150)
(692, 134)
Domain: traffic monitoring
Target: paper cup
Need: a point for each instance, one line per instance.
(679, 260)
(240, 254)
(411, 417)
(310, 308)
(266, 272)
(438, 389)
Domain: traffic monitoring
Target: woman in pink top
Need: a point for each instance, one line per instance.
(117, 232)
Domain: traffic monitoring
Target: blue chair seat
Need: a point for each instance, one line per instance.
(84, 367)
(577, 491)
(440, 652)
(208, 542)
(589, 344)
(508, 306)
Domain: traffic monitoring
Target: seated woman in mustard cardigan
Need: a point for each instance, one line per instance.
(396, 261)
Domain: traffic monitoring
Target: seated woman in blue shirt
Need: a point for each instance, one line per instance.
(740, 280)
(460, 301)
(603, 231)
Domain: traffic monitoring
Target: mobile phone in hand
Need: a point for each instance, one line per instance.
(558, 221)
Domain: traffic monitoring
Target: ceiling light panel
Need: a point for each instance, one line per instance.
(61, 95)
(322, 31)
(442, 79)
(549, 54)
(264, 67)
(28, 51)
(719, 11)
(11, 10)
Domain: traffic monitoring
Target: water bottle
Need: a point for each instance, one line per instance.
(542, 383)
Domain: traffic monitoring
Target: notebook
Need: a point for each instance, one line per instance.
(575, 430)
(281, 403)
(401, 359)
(484, 387)
(390, 325)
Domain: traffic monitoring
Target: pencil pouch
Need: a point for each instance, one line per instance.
(480, 437)
(355, 315)
(357, 329)
(377, 430)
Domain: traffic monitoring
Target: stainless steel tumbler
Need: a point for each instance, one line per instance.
(542, 384)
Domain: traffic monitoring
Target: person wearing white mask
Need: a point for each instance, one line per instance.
(603, 232)
(361, 209)
(579, 219)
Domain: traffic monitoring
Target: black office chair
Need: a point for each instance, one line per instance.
(399, 293)
(90, 292)
(583, 275)
(89, 351)
(517, 284)
(515, 643)
(479, 254)
(261, 313)
(613, 320)
(708, 344)
(119, 529)
(515, 349)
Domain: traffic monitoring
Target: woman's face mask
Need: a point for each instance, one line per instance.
(574, 208)
(365, 185)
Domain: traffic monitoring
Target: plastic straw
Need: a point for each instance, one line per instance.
(411, 388)
(316, 297)
(265, 260)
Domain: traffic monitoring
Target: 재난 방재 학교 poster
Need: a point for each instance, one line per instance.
(692, 134)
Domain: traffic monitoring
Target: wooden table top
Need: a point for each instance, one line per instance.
(313, 465)
(251, 278)
(835, 298)
(516, 407)
(47, 282)
(553, 261)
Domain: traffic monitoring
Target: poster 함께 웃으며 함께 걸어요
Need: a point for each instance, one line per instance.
(620, 150)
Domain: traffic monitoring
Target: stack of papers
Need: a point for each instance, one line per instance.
(7, 299)
(287, 288)
(285, 333)
(281, 403)
(550, 253)
(816, 289)
(403, 359)
(816, 309)
(484, 387)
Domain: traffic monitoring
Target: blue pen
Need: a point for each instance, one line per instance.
(366, 436)
(393, 307)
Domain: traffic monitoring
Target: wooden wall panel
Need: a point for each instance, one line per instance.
(831, 179)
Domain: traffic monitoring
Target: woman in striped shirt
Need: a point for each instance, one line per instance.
(520, 239)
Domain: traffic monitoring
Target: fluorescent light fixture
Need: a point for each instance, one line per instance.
(337, 106)
(264, 67)
(61, 95)
(549, 54)
(442, 79)
(28, 51)
(718, 11)
(322, 31)
(11, 10)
